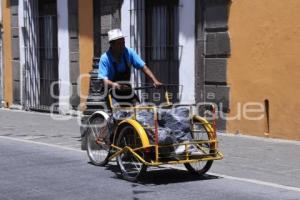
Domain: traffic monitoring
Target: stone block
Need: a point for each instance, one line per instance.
(74, 99)
(74, 72)
(217, 44)
(16, 70)
(215, 70)
(73, 26)
(205, 111)
(15, 49)
(104, 43)
(199, 78)
(216, 14)
(15, 32)
(14, 3)
(74, 45)
(106, 23)
(14, 10)
(16, 92)
(218, 95)
(14, 7)
(74, 57)
(14, 21)
(221, 123)
(73, 6)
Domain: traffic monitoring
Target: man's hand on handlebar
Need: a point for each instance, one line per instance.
(116, 85)
(119, 86)
(157, 84)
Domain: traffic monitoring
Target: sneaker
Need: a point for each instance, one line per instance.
(192, 150)
(180, 149)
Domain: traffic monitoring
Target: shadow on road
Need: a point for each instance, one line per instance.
(169, 176)
(162, 176)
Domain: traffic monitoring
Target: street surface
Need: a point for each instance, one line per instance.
(40, 158)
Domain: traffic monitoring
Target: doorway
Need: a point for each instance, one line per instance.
(162, 43)
(41, 54)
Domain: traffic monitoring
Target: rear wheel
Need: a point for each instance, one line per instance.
(98, 144)
(131, 167)
(201, 167)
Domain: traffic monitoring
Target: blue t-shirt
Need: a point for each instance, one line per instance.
(107, 61)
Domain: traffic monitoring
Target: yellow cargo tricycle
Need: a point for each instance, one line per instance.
(134, 137)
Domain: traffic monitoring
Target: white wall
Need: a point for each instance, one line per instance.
(187, 50)
(125, 21)
(63, 56)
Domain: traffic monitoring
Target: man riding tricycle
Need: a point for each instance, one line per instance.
(140, 134)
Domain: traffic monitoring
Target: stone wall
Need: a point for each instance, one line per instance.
(74, 51)
(212, 52)
(15, 51)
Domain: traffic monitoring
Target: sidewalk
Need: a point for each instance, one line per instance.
(264, 159)
(40, 127)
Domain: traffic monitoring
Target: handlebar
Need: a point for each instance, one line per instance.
(128, 91)
(163, 86)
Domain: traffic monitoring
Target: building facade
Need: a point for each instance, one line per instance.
(40, 49)
(226, 52)
(263, 70)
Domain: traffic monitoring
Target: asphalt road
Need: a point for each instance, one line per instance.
(34, 171)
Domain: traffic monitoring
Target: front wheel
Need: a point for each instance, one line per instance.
(98, 144)
(131, 167)
(201, 167)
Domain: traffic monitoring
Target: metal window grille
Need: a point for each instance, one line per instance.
(41, 83)
(155, 36)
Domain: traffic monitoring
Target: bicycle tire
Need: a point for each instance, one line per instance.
(201, 167)
(98, 147)
(131, 168)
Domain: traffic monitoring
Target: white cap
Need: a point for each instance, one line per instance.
(115, 34)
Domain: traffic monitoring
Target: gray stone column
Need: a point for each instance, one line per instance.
(212, 51)
(74, 52)
(15, 52)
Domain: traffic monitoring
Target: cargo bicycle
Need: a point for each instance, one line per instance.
(135, 143)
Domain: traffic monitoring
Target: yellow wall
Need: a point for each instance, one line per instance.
(86, 43)
(7, 58)
(265, 64)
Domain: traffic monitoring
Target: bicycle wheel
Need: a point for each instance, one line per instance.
(98, 144)
(131, 167)
(201, 167)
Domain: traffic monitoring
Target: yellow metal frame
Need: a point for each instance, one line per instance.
(139, 129)
(214, 156)
(210, 130)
